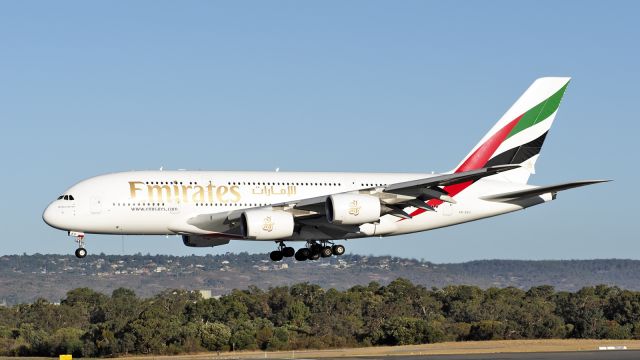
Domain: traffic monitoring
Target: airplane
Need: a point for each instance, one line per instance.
(211, 208)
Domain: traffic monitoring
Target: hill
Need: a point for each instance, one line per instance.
(24, 278)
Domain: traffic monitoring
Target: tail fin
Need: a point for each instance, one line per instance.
(518, 136)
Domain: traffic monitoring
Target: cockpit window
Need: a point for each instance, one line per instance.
(71, 197)
(66, 197)
(60, 197)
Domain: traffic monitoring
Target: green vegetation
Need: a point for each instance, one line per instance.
(89, 323)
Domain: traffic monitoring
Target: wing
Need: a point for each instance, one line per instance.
(310, 212)
(414, 193)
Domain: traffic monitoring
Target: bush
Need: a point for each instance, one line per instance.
(487, 330)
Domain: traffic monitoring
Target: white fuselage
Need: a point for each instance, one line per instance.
(162, 202)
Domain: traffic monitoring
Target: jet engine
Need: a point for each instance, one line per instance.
(266, 224)
(202, 241)
(352, 209)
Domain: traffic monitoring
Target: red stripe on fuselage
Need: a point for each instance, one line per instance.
(475, 161)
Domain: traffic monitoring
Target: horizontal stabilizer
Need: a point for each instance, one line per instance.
(535, 191)
(409, 187)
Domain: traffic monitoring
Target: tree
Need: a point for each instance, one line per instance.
(435, 331)
(33, 341)
(584, 310)
(404, 331)
(487, 330)
(66, 341)
(243, 336)
(297, 314)
(88, 323)
(215, 336)
(112, 336)
(280, 339)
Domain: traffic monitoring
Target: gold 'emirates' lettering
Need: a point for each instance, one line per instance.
(184, 193)
(236, 194)
(198, 196)
(157, 190)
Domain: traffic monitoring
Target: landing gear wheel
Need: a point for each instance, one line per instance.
(276, 255)
(302, 254)
(288, 251)
(337, 250)
(314, 256)
(326, 251)
(79, 238)
(315, 248)
(81, 252)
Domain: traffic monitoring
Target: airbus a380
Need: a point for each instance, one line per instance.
(210, 208)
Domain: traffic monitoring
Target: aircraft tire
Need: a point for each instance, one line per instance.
(316, 248)
(81, 252)
(302, 254)
(326, 251)
(288, 251)
(276, 255)
(337, 250)
(314, 256)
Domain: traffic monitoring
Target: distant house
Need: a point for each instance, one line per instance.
(206, 294)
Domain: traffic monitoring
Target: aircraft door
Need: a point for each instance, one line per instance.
(95, 205)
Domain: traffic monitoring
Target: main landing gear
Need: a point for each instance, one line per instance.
(282, 252)
(81, 252)
(313, 251)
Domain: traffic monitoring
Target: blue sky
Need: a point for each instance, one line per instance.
(94, 87)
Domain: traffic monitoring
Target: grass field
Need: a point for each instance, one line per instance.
(470, 347)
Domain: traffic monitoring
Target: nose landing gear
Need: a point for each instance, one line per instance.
(81, 252)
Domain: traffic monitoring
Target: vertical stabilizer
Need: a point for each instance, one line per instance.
(518, 136)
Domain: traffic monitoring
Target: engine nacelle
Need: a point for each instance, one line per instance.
(352, 209)
(202, 241)
(266, 224)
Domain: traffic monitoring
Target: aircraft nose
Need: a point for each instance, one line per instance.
(50, 216)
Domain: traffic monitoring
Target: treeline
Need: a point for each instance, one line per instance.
(88, 323)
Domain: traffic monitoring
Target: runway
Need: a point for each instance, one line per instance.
(569, 355)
